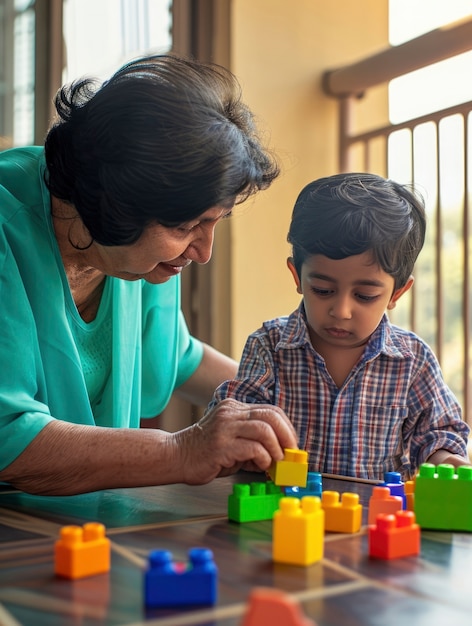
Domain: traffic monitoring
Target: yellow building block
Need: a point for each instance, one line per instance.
(82, 551)
(292, 471)
(298, 531)
(343, 516)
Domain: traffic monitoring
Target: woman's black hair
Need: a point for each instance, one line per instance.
(162, 141)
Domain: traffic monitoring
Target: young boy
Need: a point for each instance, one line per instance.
(365, 396)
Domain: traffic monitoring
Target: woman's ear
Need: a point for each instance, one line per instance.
(398, 293)
(294, 273)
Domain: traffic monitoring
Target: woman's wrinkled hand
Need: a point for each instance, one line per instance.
(233, 435)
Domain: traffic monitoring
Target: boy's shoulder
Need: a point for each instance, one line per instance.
(408, 342)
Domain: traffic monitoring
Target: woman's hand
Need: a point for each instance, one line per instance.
(231, 436)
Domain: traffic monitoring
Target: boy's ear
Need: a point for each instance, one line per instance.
(397, 294)
(294, 273)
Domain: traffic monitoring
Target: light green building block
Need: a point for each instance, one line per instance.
(443, 497)
(253, 502)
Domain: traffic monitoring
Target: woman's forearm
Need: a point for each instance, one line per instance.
(68, 459)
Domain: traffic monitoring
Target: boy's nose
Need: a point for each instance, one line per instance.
(341, 309)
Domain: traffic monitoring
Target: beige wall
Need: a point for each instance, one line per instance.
(279, 51)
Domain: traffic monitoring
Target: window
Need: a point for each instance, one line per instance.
(432, 152)
(100, 36)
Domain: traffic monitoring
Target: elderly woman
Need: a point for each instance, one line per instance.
(95, 229)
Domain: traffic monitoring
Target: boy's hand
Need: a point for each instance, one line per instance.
(441, 457)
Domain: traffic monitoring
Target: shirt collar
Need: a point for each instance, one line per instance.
(382, 341)
(295, 334)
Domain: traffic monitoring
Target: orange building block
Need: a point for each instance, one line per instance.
(394, 536)
(298, 531)
(343, 516)
(82, 551)
(410, 495)
(272, 606)
(382, 502)
(292, 471)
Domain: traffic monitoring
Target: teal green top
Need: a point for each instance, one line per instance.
(120, 367)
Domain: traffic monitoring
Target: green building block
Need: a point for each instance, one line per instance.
(253, 502)
(443, 497)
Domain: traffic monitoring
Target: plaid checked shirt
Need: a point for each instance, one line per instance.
(392, 412)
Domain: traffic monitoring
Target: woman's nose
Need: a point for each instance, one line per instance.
(201, 248)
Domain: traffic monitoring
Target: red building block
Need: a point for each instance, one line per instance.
(381, 501)
(268, 607)
(394, 536)
(82, 551)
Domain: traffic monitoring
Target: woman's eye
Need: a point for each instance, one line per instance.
(187, 228)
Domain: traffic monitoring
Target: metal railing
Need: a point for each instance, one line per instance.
(429, 304)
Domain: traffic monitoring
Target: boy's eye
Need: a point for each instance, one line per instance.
(366, 298)
(321, 292)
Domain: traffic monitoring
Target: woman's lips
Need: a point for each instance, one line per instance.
(173, 269)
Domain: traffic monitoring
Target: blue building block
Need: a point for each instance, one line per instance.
(170, 584)
(393, 480)
(254, 502)
(314, 487)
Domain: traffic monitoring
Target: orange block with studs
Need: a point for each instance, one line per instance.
(394, 536)
(381, 501)
(343, 516)
(272, 606)
(82, 551)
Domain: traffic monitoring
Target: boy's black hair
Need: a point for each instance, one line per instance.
(352, 213)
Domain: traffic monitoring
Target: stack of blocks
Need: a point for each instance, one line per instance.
(443, 498)
(253, 502)
(394, 536)
(168, 584)
(298, 531)
(393, 480)
(82, 551)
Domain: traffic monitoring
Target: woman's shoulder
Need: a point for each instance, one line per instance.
(21, 178)
(19, 162)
